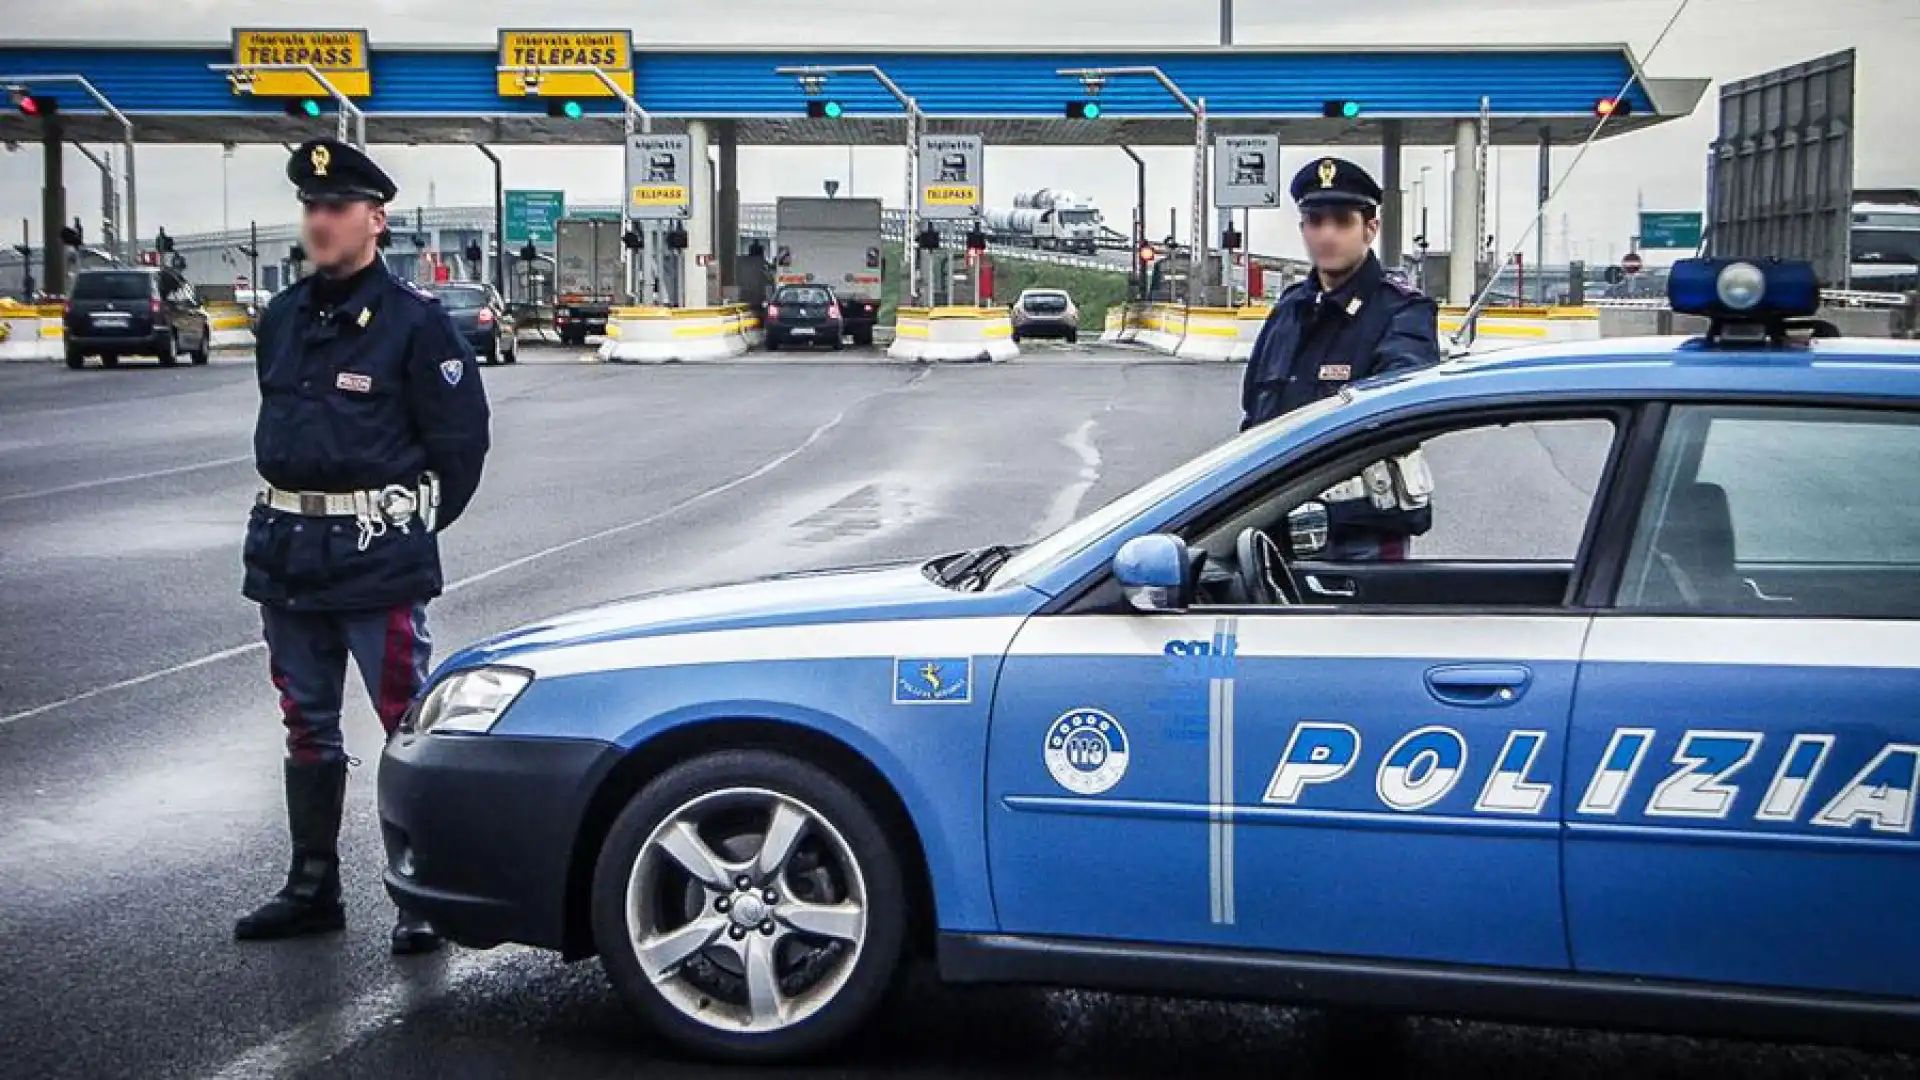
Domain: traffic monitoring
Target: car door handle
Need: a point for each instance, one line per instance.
(1331, 586)
(1478, 685)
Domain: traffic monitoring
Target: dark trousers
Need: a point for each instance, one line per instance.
(307, 658)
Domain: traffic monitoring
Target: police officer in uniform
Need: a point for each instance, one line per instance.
(1348, 320)
(372, 431)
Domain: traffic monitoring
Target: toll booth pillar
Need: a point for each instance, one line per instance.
(726, 244)
(1463, 238)
(53, 205)
(693, 266)
(1392, 249)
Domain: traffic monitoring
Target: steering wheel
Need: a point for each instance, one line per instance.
(1264, 574)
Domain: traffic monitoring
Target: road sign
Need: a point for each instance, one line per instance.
(1246, 171)
(1630, 262)
(531, 215)
(950, 176)
(660, 168)
(1670, 228)
(609, 50)
(339, 55)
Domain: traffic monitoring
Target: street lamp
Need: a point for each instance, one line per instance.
(18, 83)
(532, 77)
(241, 77)
(1095, 79)
(813, 83)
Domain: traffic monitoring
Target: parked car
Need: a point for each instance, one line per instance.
(1045, 313)
(135, 311)
(1180, 746)
(482, 318)
(804, 315)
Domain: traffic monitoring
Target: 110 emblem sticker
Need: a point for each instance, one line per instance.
(1086, 751)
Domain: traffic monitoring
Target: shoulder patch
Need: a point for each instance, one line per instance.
(416, 291)
(1401, 284)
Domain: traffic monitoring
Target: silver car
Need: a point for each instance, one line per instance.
(1045, 313)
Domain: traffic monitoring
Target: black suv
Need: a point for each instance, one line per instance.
(135, 311)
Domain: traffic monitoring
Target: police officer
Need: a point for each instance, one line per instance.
(1346, 321)
(372, 431)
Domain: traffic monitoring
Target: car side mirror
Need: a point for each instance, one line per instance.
(1307, 527)
(1153, 573)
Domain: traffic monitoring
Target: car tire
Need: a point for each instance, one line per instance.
(492, 355)
(1073, 338)
(205, 352)
(75, 360)
(772, 344)
(169, 353)
(109, 360)
(716, 811)
(512, 355)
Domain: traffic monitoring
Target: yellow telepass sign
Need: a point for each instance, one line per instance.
(609, 50)
(659, 194)
(339, 55)
(952, 195)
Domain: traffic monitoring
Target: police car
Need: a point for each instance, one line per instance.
(1664, 778)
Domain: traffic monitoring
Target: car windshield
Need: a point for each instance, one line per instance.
(461, 299)
(113, 286)
(1083, 533)
(1886, 245)
(804, 296)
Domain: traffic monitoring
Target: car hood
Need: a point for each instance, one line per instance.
(885, 591)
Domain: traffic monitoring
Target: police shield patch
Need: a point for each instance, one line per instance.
(451, 370)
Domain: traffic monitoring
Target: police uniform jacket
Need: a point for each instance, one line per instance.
(363, 383)
(1315, 342)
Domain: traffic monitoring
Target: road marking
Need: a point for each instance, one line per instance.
(128, 479)
(513, 564)
(1066, 504)
(338, 1030)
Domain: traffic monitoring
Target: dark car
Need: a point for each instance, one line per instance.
(482, 318)
(135, 311)
(803, 315)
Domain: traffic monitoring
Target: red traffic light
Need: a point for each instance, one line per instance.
(1609, 107)
(1147, 253)
(35, 104)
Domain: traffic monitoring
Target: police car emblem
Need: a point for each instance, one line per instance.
(451, 370)
(933, 681)
(1086, 751)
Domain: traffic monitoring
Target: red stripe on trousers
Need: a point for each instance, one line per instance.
(396, 669)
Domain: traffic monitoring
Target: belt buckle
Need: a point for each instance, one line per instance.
(397, 504)
(313, 504)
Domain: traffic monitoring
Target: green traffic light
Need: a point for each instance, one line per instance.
(573, 110)
(1093, 110)
(1350, 109)
(833, 110)
(310, 107)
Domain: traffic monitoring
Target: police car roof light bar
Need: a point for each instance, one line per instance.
(1748, 299)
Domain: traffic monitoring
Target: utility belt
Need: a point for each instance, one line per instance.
(1400, 483)
(375, 510)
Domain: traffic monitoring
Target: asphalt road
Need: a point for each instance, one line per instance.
(140, 808)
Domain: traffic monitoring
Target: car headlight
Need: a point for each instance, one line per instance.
(470, 701)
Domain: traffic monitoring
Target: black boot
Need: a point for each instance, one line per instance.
(309, 903)
(413, 936)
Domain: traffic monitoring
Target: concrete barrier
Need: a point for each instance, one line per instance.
(1134, 321)
(31, 332)
(1163, 328)
(1211, 334)
(232, 326)
(1116, 323)
(1505, 328)
(669, 335)
(1249, 323)
(953, 334)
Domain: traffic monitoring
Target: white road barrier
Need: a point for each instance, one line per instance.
(953, 334)
(1211, 334)
(664, 335)
(31, 332)
(1505, 328)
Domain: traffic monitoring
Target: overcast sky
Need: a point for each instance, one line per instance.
(1718, 39)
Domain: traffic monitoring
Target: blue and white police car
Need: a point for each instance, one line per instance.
(1664, 775)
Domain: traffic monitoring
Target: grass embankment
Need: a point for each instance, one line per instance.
(1093, 291)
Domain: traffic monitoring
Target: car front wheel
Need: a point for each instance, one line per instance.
(749, 907)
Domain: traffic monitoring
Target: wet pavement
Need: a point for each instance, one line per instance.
(140, 808)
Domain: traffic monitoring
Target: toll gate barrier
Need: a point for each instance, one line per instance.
(953, 335)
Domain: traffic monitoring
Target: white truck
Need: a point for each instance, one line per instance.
(589, 276)
(1049, 219)
(1885, 240)
(836, 243)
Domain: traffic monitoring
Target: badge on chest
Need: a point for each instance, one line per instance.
(353, 383)
(1335, 372)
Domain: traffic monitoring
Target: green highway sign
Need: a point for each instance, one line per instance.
(531, 216)
(1670, 228)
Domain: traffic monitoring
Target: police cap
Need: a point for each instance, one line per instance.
(1332, 181)
(331, 171)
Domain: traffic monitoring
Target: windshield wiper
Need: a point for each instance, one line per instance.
(978, 564)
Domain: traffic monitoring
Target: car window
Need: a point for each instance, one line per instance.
(1079, 535)
(113, 286)
(805, 296)
(461, 299)
(1780, 510)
